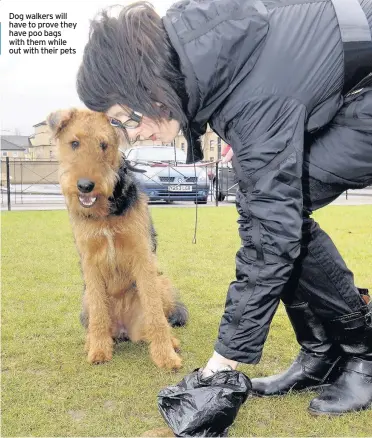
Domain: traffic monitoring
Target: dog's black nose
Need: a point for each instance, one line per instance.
(85, 185)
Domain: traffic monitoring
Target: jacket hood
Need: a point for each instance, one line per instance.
(218, 43)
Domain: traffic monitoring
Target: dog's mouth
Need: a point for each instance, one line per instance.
(87, 201)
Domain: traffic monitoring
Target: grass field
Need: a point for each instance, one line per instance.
(48, 388)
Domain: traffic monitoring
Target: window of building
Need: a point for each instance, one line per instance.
(183, 146)
(211, 145)
(211, 159)
(4, 153)
(15, 154)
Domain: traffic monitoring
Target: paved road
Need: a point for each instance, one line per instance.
(48, 197)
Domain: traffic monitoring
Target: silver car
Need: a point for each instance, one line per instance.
(168, 177)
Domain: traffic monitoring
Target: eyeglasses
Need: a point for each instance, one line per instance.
(135, 119)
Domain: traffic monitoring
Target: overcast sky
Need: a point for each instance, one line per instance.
(34, 85)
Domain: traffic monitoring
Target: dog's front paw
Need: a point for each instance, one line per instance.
(100, 353)
(165, 357)
(176, 344)
(99, 356)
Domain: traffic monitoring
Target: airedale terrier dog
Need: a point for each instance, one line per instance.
(124, 292)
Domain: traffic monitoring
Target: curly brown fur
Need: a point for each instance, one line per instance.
(124, 294)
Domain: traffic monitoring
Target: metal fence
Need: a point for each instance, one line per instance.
(25, 181)
(35, 182)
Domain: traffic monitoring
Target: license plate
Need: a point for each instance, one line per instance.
(180, 188)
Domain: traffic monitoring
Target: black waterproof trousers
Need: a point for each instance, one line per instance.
(335, 159)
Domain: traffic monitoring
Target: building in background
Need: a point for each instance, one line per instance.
(43, 146)
(212, 145)
(15, 146)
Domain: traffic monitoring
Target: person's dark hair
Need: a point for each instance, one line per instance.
(129, 61)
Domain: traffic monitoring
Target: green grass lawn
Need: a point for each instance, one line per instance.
(48, 388)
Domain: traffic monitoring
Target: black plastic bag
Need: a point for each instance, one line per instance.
(204, 406)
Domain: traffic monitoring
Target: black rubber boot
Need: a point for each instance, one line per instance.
(352, 389)
(351, 392)
(314, 367)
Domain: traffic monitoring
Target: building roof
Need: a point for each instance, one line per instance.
(8, 146)
(39, 124)
(19, 140)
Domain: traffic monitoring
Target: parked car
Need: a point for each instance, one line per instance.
(227, 181)
(168, 177)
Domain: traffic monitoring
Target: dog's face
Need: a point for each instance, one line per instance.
(88, 149)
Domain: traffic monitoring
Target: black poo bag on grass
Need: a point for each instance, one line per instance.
(199, 406)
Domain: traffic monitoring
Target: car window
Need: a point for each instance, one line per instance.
(160, 154)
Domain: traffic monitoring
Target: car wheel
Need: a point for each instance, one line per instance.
(200, 202)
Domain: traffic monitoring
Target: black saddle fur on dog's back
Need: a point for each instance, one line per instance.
(126, 194)
(126, 191)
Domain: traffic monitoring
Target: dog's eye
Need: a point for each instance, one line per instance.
(103, 145)
(75, 144)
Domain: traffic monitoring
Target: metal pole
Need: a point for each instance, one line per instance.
(217, 184)
(15, 188)
(21, 163)
(227, 181)
(8, 182)
(211, 181)
(174, 149)
(169, 175)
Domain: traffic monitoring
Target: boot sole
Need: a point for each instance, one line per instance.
(297, 391)
(335, 414)
(324, 414)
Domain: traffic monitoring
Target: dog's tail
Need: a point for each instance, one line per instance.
(179, 316)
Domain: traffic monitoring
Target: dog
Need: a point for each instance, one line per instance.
(125, 296)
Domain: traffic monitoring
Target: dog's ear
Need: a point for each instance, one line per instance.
(58, 120)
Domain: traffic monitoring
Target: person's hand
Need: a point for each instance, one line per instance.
(227, 158)
(218, 363)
